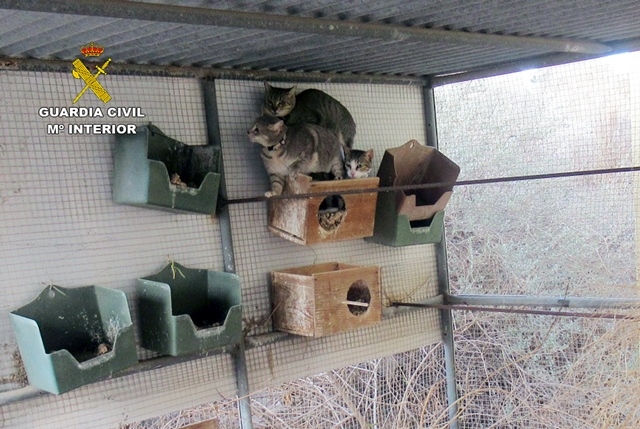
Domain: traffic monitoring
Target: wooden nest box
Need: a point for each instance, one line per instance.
(306, 221)
(413, 216)
(326, 299)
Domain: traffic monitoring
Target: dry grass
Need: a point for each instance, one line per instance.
(513, 372)
(537, 372)
(401, 391)
(19, 375)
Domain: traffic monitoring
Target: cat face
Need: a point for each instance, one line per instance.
(278, 102)
(266, 131)
(357, 163)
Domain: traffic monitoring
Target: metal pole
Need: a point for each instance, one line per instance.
(539, 301)
(446, 315)
(238, 353)
(556, 313)
(447, 335)
(287, 23)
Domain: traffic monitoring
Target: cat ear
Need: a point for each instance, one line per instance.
(277, 127)
(292, 91)
(347, 150)
(267, 87)
(369, 154)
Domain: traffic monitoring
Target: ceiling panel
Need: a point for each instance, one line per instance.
(180, 33)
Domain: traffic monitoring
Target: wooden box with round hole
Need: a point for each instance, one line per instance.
(335, 217)
(326, 299)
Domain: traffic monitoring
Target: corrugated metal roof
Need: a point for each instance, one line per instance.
(132, 32)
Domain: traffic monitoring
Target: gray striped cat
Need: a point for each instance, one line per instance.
(289, 150)
(311, 106)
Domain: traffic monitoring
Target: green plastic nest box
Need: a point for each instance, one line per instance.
(405, 218)
(184, 310)
(69, 337)
(155, 171)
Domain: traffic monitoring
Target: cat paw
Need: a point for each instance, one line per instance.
(338, 177)
(270, 194)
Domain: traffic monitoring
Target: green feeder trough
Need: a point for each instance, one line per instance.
(69, 337)
(405, 218)
(184, 310)
(155, 171)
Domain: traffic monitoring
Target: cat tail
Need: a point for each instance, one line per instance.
(348, 142)
(344, 151)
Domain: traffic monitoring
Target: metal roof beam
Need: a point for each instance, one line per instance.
(286, 23)
(537, 62)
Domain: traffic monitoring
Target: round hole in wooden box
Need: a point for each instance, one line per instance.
(332, 212)
(359, 298)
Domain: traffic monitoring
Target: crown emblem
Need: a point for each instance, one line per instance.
(92, 50)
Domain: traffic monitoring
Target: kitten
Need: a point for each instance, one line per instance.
(311, 106)
(188, 165)
(289, 150)
(357, 163)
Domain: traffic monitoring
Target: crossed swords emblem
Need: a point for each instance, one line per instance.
(80, 71)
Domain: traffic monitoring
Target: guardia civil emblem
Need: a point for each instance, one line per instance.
(80, 71)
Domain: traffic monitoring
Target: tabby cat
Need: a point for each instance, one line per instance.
(311, 106)
(289, 150)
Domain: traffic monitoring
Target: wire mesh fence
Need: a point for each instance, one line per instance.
(406, 390)
(553, 237)
(560, 237)
(541, 372)
(61, 226)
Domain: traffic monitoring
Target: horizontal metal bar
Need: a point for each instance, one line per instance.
(251, 342)
(388, 312)
(30, 392)
(540, 301)
(509, 67)
(506, 179)
(515, 311)
(287, 23)
(38, 65)
(255, 341)
(537, 62)
(21, 394)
